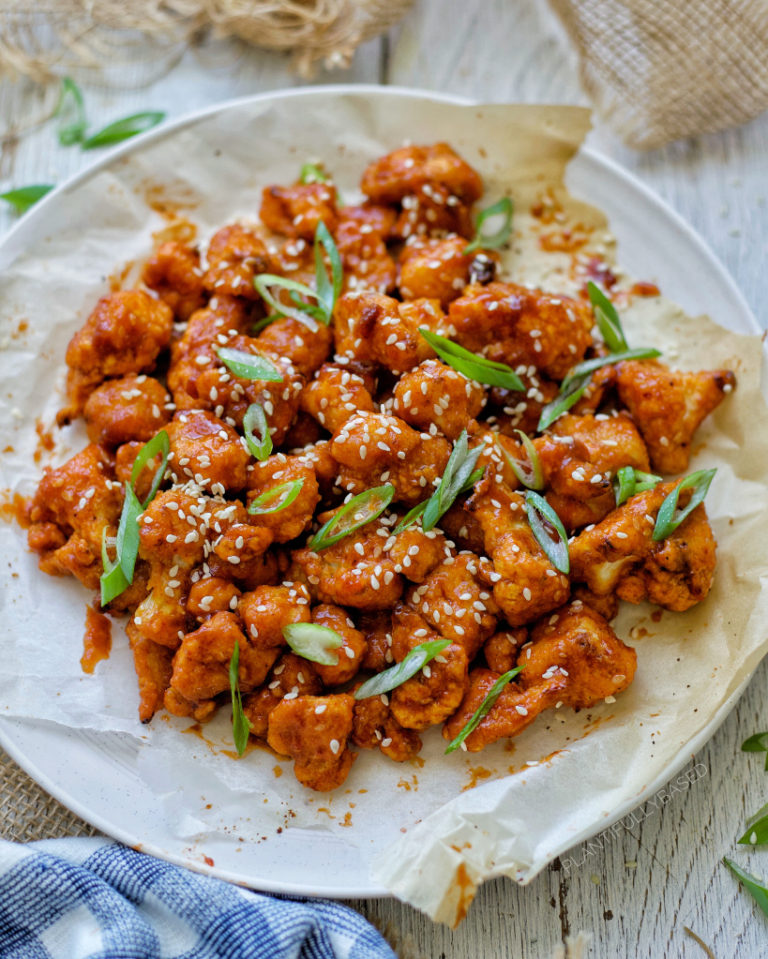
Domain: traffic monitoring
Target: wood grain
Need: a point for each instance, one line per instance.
(635, 888)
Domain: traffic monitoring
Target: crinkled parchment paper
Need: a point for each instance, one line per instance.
(430, 837)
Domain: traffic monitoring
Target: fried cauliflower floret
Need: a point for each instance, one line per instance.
(433, 211)
(408, 169)
(297, 210)
(521, 409)
(436, 690)
(201, 665)
(173, 272)
(578, 492)
(225, 317)
(235, 256)
(207, 450)
(438, 269)
(335, 395)
(514, 325)
(268, 609)
(131, 408)
(529, 585)
(612, 441)
(503, 648)
(154, 666)
(365, 259)
(230, 396)
(354, 572)
(125, 333)
(313, 730)
(669, 405)
(373, 448)
(436, 393)
(369, 218)
(416, 553)
(291, 339)
(371, 327)
(375, 726)
(211, 595)
(350, 654)
(291, 676)
(619, 554)
(455, 604)
(575, 660)
(71, 507)
(292, 520)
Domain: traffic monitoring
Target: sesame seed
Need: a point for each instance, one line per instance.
(334, 744)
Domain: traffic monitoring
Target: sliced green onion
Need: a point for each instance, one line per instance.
(328, 290)
(359, 511)
(667, 519)
(492, 241)
(458, 474)
(629, 481)
(124, 129)
(118, 575)
(288, 491)
(474, 367)
(589, 366)
(396, 675)
(313, 642)
(756, 744)
(158, 444)
(256, 419)
(607, 318)
(483, 709)
(539, 513)
(410, 517)
(24, 197)
(563, 402)
(249, 366)
(241, 726)
(313, 173)
(757, 829)
(751, 883)
(531, 477)
(74, 131)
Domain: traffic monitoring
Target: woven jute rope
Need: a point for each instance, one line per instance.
(44, 39)
(28, 813)
(658, 70)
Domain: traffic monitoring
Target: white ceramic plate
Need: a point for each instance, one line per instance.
(98, 780)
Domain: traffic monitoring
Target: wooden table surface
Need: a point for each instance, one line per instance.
(633, 891)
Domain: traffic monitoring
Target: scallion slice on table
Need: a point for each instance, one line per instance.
(531, 476)
(757, 829)
(327, 289)
(473, 366)
(608, 321)
(483, 709)
(752, 884)
(542, 517)
(24, 197)
(241, 727)
(314, 642)
(492, 241)
(359, 511)
(72, 106)
(249, 366)
(313, 173)
(669, 518)
(396, 675)
(629, 481)
(276, 499)
(124, 129)
(118, 574)
(255, 419)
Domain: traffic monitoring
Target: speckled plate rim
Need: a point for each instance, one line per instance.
(740, 315)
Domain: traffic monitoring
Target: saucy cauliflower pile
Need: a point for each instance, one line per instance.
(356, 404)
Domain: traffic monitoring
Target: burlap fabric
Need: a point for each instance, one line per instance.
(27, 812)
(658, 70)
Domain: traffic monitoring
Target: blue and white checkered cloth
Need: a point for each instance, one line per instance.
(96, 899)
